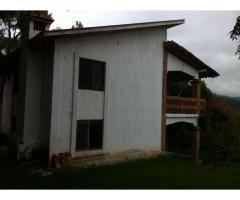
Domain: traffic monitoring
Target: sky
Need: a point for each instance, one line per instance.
(205, 34)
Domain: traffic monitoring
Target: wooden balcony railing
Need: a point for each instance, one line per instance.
(184, 105)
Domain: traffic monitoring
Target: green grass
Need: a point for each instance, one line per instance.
(163, 172)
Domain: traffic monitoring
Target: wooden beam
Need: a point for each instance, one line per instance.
(164, 101)
(196, 92)
(196, 144)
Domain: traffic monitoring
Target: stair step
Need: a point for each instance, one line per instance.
(90, 158)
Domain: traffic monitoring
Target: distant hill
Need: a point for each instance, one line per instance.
(237, 98)
(234, 102)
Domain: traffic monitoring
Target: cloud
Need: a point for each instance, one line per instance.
(207, 36)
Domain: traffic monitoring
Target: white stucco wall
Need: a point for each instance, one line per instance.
(133, 94)
(7, 104)
(32, 32)
(175, 64)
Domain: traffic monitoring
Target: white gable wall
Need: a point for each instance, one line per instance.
(131, 103)
(175, 64)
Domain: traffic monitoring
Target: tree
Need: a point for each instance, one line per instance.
(184, 89)
(13, 27)
(235, 34)
(57, 28)
(221, 130)
(77, 25)
(9, 31)
(206, 93)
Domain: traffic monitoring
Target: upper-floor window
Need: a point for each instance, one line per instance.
(39, 26)
(91, 74)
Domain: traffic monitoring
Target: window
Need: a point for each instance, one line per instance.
(91, 74)
(39, 26)
(89, 135)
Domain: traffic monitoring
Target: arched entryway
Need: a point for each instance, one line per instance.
(181, 137)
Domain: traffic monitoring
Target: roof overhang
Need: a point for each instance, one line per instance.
(204, 70)
(42, 16)
(113, 28)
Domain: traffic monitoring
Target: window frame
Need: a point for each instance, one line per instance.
(88, 121)
(90, 85)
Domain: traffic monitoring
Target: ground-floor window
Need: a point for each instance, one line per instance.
(89, 135)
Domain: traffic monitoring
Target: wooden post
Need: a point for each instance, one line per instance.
(196, 92)
(164, 101)
(196, 144)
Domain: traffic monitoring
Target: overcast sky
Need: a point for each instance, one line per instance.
(205, 33)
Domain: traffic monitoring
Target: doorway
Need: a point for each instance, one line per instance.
(180, 137)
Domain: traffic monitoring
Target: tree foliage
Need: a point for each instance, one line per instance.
(235, 34)
(77, 25)
(206, 93)
(220, 123)
(13, 25)
(184, 89)
(9, 31)
(221, 127)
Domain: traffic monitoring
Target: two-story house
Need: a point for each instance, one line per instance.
(99, 89)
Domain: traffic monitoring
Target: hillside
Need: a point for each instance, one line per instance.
(234, 102)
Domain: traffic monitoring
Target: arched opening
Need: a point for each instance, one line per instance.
(180, 137)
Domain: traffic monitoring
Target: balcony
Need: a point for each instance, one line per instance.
(184, 105)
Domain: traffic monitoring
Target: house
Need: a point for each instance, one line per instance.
(99, 89)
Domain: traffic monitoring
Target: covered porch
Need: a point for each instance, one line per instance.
(182, 95)
(182, 114)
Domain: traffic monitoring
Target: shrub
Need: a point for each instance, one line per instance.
(220, 126)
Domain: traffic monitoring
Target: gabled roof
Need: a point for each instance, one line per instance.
(42, 16)
(186, 56)
(113, 28)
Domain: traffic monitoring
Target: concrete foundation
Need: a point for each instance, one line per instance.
(113, 158)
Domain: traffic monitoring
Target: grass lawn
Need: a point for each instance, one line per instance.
(163, 172)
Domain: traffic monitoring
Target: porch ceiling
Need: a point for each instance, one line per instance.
(175, 76)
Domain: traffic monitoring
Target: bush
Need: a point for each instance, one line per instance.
(220, 126)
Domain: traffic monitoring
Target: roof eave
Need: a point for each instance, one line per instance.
(190, 59)
(114, 28)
